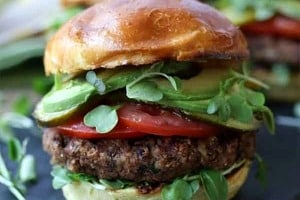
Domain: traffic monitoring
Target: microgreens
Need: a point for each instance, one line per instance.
(92, 78)
(25, 172)
(179, 189)
(16, 119)
(235, 100)
(215, 185)
(261, 174)
(143, 89)
(16, 182)
(117, 184)
(104, 118)
(213, 182)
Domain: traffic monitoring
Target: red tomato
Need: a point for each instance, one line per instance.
(138, 120)
(76, 128)
(154, 120)
(278, 26)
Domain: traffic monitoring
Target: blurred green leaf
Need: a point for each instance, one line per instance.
(261, 173)
(17, 120)
(297, 109)
(5, 130)
(27, 171)
(282, 74)
(290, 8)
(19, 51)
(42, 85)
(15, 151)
(22, 105)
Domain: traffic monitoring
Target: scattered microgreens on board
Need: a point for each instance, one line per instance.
(26, 172)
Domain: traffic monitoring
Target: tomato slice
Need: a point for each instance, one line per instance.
(76, 128)
(278, 26)
(138, 120)
(154, 120)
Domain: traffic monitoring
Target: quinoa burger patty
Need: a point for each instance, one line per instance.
(151, 159)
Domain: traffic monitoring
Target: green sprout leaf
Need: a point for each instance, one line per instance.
(147, 86)
(145, 91)
(178, 190)
(261, 174)
(3, 169)
(224, 111)
(92, 78)
(104, 118)
(16, 183)
(60, 177)
(195, 185)
(249, 79)
(215, 184)
(17, 120)
(228, 83)
(15, 150)
(240, 110)
(27, 171)
(214, 105)
(254, 98)
(268, 118)
(22, 105)
(117, 184)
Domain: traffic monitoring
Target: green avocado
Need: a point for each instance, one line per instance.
(192, 96)
(204, 85)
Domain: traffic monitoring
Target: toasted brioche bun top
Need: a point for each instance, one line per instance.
(135, 32)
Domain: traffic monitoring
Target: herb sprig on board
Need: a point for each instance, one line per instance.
(24, 162)
(25, 168)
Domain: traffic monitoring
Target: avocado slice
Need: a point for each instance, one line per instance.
(204, 85)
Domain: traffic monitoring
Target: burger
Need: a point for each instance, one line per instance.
(272, 29)
(150, 101)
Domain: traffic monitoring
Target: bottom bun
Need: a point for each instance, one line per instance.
(79, 191)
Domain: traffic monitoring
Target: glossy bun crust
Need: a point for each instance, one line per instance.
(135, 32)
(78, 191)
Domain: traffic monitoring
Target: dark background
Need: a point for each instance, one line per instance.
(280, 152)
